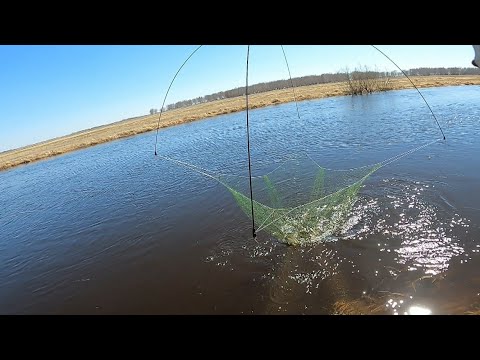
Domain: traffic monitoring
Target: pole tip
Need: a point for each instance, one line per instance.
(254, 234)
(155, 152)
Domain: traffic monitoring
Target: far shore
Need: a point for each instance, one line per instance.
(142, 124)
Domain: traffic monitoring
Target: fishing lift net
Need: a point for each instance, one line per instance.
(276, 201)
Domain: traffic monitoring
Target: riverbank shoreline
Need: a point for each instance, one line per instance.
(142, 124)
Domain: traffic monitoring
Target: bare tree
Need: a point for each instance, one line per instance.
(365, 81)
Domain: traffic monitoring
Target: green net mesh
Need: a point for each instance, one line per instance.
(287, 211)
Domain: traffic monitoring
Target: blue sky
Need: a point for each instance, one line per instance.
(49, 91)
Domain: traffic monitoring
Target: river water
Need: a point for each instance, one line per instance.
(112, 229)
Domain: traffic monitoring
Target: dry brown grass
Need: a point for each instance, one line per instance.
(359, 307)
(147, 123)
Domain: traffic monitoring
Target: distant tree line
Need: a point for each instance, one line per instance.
(443, 71)
(363, 80)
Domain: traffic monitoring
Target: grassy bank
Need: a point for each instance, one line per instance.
(147, 123)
